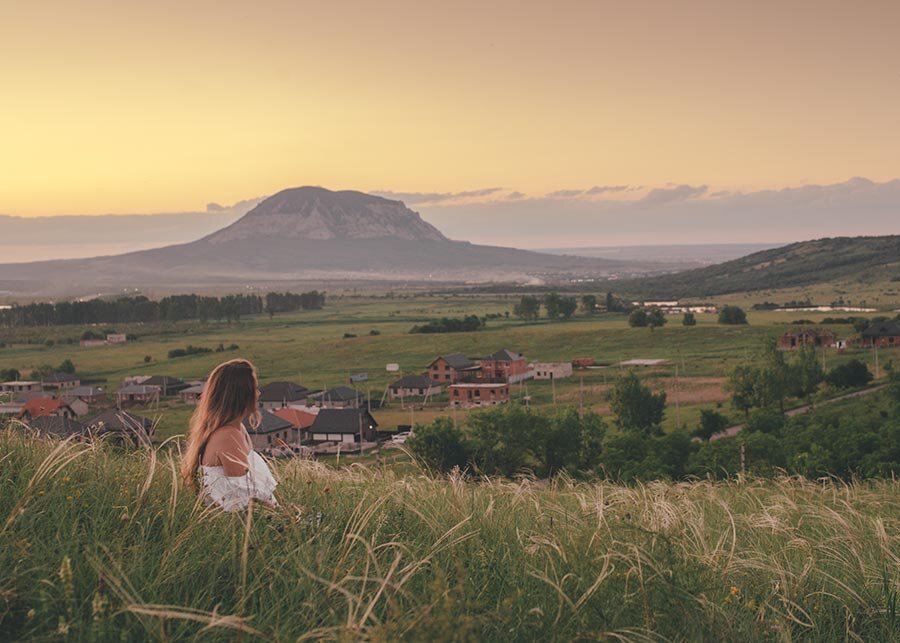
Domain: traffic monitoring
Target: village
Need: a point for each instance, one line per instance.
(299, 421)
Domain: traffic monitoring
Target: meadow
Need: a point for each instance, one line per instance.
(102, 545)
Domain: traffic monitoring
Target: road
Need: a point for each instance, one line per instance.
(732, 431)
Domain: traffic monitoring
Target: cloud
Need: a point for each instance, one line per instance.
(603, 189)
(435, 197)
(662, 196)
(516, 195)
(565, 194)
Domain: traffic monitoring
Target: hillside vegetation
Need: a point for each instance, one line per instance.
(805, 263)
(100, 545)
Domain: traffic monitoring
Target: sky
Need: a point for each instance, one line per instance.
(136, 107)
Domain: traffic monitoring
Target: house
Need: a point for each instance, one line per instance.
(116, 338)
(40, 406)
(414, 386)
(449, 369)
(191, 395)
(87, 394)
(8, 409)
(24, 386)
(344, 425)
(138, 394)
(277, 395)
(123, 424)
(505, 366)
(301, 420)
(814, 337)
(60, 381)
(468, 394)
(342, 397)
(58, 426)
(272, 432)
(91, 343)
(167, 385)
(583, 362)
(552, 370)
(882, 334)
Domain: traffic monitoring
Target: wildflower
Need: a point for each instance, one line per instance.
(69, 498)
(30, 614)
(98, 605)
(63, 628)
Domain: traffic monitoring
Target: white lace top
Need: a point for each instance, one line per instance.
(235, 492)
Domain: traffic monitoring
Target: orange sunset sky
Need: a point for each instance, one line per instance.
(123, 106)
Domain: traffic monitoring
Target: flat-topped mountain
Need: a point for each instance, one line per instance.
(317, 213)
(305, 235)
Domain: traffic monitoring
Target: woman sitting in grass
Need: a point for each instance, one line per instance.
(218, 444)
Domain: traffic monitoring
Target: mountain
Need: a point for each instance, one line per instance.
(304, 235)
(806, 263)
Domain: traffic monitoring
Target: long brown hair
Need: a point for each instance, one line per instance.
(231, 393)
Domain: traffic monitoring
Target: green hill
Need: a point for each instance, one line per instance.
(866, 259)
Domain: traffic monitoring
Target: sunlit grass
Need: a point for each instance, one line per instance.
(98, 544)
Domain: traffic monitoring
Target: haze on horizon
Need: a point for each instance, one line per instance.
(506, 113)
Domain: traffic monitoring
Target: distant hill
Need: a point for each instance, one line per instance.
(798, 264)
(304, 235)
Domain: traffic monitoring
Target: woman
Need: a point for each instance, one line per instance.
(218, 445)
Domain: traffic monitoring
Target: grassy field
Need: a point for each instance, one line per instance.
(103, 546)
(310, 348)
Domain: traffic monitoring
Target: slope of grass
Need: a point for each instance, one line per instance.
(100, 545)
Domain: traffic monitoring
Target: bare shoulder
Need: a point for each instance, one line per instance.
(225, 441)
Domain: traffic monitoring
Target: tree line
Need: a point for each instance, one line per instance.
(142, 309)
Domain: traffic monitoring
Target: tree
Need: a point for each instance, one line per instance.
(733, 315)
(67, 367)
(589, 304)
(528, 308)
(742, 384)
(805, 373)
(656, 318)
(689, 319)
(638, 318)
(636, 407)
(711, 422)
(10, 375)
(852, 374)
(553, 305)
(441, 445)
(567, 306)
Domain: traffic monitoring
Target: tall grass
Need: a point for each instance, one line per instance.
(96, 544)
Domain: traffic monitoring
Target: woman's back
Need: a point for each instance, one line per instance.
(233, 473)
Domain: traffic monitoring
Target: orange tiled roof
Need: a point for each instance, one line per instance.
(41, 406)
(300, 419)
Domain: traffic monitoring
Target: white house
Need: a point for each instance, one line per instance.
(552, 370)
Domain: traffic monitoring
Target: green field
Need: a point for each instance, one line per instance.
(310, 348)
(97, 545)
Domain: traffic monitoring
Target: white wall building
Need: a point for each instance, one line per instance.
(552, 370)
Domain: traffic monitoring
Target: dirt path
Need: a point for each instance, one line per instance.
(732, 431)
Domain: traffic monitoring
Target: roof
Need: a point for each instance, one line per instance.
(342, 394)
(882, 329)
(119, 421)
(19, 383)
(43, 406)
(343, 421)
(140, 389)
(197, 389)
(83, 391)
(269, 422)
(414, 381)
(57, 425)
(504, 355)
(282, 391)
(457, 361)
(57, 378)
(479, 385)
(165, 381)
(299, 419)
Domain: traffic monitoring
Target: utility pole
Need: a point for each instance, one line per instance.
(677, 399)
(581, 399)
(553, 384)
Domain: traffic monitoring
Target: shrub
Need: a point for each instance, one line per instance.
(733, 315)
(853, 373)
(188, 350)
